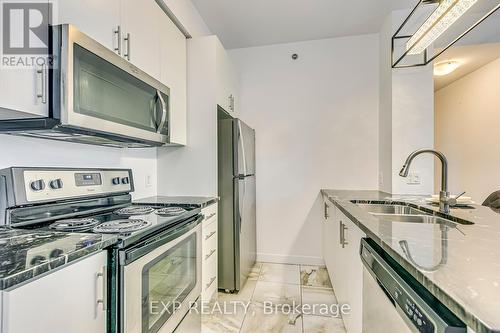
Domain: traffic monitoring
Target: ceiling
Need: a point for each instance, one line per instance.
(471, 57)
(243, 23)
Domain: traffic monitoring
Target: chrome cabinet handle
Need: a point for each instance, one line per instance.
(164, 112)
(341, 229)
(42, 72)
(118, 33)
(326, 211)
(344, 241)
(231, 102)
(210, 216)
(104, 299)
(207, 237)
(127, 52)
(212, 280)
(210, 254)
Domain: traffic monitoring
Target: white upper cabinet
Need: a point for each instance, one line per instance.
(227, 81)
(23, 89)
(96, 18)
(142, 24)
(173, 65)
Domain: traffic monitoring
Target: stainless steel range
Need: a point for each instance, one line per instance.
(155, 267)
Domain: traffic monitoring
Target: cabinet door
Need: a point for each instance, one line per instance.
(23, 88)
(96, 18)
(330, 239)
(341, 275)
(227, 81)
(353, 235)
(141, 34)
(173, 49)
(60, 302)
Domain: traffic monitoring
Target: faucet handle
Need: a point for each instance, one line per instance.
(453, 201)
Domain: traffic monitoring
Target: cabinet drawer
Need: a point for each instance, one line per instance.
(209, 231)
(210, 248)
(209, 293)
(209, 269)
(209, 212)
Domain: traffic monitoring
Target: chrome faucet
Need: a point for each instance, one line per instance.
(444, 196)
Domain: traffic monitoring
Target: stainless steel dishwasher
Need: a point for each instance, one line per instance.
(394, 302)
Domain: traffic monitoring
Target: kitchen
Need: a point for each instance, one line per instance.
(333, 118)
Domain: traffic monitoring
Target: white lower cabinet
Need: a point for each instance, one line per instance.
(209, 253)
(71, 299)
(341, 241)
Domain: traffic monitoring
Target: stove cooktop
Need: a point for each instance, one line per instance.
(130, 222)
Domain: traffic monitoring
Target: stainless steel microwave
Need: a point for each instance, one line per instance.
(97, 97)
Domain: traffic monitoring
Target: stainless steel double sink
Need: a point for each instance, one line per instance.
(403, 213)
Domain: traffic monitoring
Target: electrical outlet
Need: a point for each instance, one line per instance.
(149, 181)
(381, 178)
(413, 178)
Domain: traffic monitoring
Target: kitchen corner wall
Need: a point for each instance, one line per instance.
(316, 122)
(406, 118)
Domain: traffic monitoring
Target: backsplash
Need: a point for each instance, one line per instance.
(19, 151)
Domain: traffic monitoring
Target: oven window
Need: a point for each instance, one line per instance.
(166, 282)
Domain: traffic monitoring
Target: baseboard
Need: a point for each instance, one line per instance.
(290, 259)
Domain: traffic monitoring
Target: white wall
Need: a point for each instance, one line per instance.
(406, 118)
(412, 127)
(467, 120)
(316, 122)
(192, 170)
(385, 108)
(18, 151)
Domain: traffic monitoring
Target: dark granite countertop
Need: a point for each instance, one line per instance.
(201, 202)
(459, 264)
(26, 254)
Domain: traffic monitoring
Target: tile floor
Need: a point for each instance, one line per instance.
(278, 285)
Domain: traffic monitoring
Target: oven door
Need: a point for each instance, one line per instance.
(96, 89)
(161, 279)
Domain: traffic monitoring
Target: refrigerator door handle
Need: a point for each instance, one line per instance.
(241, 141)
(242, 203)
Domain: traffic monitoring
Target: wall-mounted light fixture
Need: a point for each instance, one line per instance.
(419, 34)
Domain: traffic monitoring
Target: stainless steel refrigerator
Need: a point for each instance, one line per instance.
(237, 209)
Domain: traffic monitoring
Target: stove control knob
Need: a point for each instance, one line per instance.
(116, 181)
(56, 184)
(125, 180)
(37, 185)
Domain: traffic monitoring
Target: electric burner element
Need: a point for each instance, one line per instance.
(83, 224)
(170, 211)
(122, 226)
(134, 210)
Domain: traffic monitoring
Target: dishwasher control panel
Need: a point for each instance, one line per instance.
(419, 309)
(415, 315)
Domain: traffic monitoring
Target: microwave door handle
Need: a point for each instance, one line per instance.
(164, 112)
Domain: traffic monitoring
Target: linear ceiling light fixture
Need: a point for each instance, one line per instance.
(447, 13)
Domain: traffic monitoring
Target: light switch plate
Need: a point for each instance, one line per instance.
(148, 181)
(413, 178)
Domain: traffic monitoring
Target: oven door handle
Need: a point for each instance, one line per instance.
(146, 247)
